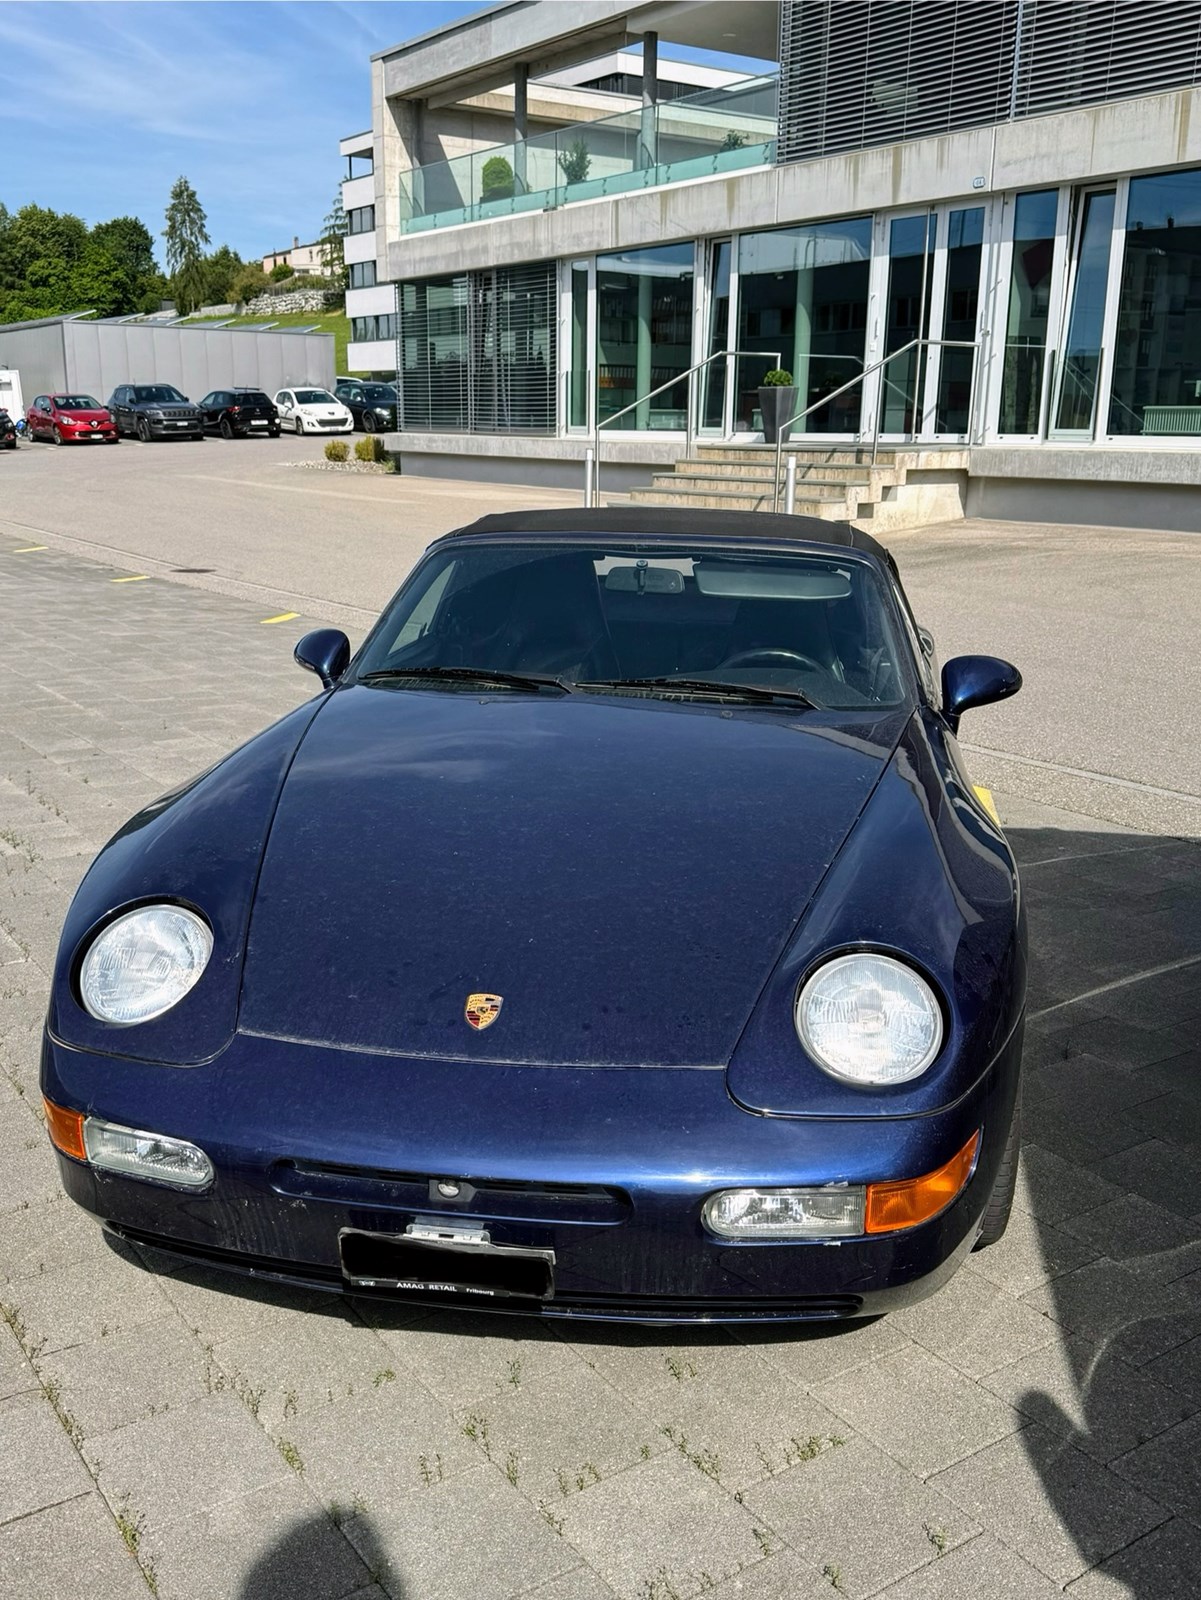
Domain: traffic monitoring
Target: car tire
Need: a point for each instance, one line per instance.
(227, 431)
(1000, 1202)
(368, 422)
(143, 428)
(58, 438)
(298, 424)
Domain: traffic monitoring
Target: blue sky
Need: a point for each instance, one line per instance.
(103, 105)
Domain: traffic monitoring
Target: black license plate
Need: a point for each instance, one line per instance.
(399, 1263)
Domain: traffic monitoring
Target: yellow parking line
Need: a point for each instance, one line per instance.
(28, 549)
(137, 577)
(986, 800)
(284, 616)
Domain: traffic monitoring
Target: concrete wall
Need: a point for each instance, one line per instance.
(535, 462)
(1095, 484)
(96, 356)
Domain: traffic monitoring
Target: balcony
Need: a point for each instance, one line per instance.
(699, 136)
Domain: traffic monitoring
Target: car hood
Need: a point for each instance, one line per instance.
(623, 872)
(100, 415)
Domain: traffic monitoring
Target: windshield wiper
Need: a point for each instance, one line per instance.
(530, 681)
(726, 691)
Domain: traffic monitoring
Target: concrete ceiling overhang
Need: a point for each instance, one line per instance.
(481, 51)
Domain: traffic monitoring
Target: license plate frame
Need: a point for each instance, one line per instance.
(445, 1262)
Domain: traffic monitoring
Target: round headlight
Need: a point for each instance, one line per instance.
(869, 1019)
(144, 963)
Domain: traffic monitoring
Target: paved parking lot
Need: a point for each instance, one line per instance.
(1034, 1428)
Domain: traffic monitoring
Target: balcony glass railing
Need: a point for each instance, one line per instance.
(717, 130)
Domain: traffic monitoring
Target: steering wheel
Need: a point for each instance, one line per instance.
(765, 655)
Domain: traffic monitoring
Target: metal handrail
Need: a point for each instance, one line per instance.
(592, 469)
(876, 366)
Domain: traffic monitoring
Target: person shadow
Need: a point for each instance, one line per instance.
(1111, 1168)
(321, 1556)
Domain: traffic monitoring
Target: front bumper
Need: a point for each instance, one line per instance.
(177, 428)
(608, 1168)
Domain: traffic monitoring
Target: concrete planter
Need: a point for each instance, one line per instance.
(776, 405)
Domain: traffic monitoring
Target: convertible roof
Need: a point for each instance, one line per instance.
(679, 523)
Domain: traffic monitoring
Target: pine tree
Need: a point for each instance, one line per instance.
(186, 235)
(333, 231)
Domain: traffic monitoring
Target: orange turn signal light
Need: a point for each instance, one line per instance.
(903, 1205)
(65, 1129)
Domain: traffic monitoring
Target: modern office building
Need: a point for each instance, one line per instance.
(969, 229)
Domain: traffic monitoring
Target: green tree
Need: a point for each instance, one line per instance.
(128, 241)
(333, 231)
(221, 271)
(186, 235)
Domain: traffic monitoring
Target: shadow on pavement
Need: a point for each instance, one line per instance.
(1112, 1178)
(317, 1557)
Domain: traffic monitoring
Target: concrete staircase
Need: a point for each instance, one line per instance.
(904, 487)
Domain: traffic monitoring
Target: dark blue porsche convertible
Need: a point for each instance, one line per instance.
(617, 935)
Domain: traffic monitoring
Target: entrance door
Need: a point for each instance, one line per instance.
(929, 269)
(1078, 380)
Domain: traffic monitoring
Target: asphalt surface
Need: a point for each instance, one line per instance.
(1034, 1429)
(1103, 623)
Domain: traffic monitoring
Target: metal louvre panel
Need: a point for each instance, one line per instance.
(477, 351)
(513, 324)
(869, 72)
(1073, 53)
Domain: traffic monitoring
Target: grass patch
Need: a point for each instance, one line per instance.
(335, 322)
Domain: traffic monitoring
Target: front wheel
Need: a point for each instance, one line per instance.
(368, 422)
(1000, 1202)
(143, 430)
(227, 431)
(58, 438)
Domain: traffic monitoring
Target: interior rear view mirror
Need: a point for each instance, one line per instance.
(645, 580)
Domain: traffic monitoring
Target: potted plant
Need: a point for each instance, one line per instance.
(777, 404)
(496, 179)
(575, 161)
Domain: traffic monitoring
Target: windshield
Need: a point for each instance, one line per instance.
(379, 394)
(76, 402)
(816, 626)
(161, 393)
(314, 397)
(250, 397)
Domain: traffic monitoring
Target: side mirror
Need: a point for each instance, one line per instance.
(969, 681)
(326, 652)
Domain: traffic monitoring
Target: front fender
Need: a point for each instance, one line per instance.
(925, 875)
(201, 845)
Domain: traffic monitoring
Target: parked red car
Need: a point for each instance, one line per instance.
(70, 419)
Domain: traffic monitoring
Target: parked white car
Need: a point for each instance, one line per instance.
(313, 411)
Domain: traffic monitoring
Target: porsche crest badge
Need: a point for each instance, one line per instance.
(482, 1010)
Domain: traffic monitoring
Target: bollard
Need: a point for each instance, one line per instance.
(790, 485)
(589, 476)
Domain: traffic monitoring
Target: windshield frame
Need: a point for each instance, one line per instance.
(315, 397)
(76, 402)
(638, 545)
(157, 394)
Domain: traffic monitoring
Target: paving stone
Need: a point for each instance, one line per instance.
(125, 1376)
(1052, 1189)
(1121, 1043)
(76, 1303)
(378, 1444)
(45, 1238)
(858, 1511)
(1167, 1177)
(72, 1548)
(919, 1409)
(16, 1375)
(1168, 1468)
(646, 1363)
(579, 1584)
(39, 1466)
(223, 1305)
(271, 1544)
(661, 1523)
(1111, 1303)
(563, 1431)
(1056, 1507)
(1163, 1565)
(185, 1460)
(975, 1326)
(812, 1353)
(466, 1359)
(1180, 1369)
(1029, 1253)
(472, 1535)
(1086, 1393)
(1158, 1244)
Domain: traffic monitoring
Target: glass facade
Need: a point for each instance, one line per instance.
(1024, 355)
(1157, 353)
(1094, 305)
(644, 335)
(802, 296)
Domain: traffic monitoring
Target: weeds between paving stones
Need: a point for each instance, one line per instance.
(511, 1467)
(431, 1471)
(476, 1429)
(835, 1576)
(937, 1537)
(548, 1516)
(582, 1478)
(679, 1369)
(384, 1375)
(514, 1372)
(291, 1455)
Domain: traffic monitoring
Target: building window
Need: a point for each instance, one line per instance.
(361, 219)
(1157, 352)
(1025, 353)
(802, 296)
(478, 351)
(360, 165)
(361, 275)
(644, 334)
(365, 329)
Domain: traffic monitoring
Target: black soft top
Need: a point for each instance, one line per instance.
(672, 522)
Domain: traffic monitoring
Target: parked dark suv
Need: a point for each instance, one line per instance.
(154, 411)
(372, 405)
(237, 413)
(8, 431)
